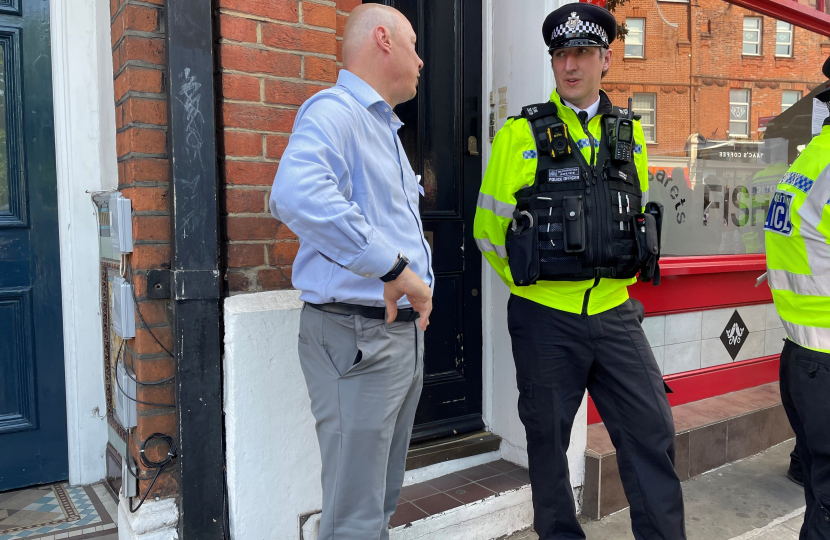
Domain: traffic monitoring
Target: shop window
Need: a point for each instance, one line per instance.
(635, 39)
(730, 125)
(752, 36)
(739, 113)
(789, 98)
(645, 105)
(784, 39)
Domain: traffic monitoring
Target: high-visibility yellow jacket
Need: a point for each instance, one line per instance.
(797, 234)
(512, 166)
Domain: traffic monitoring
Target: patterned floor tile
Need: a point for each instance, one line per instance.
(58, 510)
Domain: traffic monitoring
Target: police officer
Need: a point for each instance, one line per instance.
(797, 231)
(560, 219)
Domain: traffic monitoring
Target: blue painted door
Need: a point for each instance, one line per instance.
(33, 447)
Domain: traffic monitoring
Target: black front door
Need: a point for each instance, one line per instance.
(437, 131)
(33, 447)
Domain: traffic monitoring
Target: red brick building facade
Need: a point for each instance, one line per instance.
(693, 57)
(272, 55)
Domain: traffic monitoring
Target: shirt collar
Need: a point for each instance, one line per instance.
(367, 96)
(360, 89)
(601, 106)
(591, 110)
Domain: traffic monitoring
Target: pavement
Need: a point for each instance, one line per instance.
(751, 499)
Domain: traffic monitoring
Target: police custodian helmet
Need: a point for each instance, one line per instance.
(579, 25)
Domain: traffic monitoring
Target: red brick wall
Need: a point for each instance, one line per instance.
(138, 54)
(691, 68)
(273, 55)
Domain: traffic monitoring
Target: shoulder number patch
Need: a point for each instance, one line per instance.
(778, 216)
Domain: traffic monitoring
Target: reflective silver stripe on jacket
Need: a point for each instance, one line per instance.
(485, 245)
(813, 337)
(501, 209)
(781, 280)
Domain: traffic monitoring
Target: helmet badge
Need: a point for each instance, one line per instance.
(573, 21)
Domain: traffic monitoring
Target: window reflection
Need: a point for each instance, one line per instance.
(726, 101)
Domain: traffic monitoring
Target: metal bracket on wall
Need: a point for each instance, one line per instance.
(184, 284)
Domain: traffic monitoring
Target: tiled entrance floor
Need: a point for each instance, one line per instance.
(59, 511)
(443, 493)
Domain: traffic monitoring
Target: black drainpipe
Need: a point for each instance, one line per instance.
(194, 281)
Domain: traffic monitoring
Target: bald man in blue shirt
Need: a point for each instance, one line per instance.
(346, 189)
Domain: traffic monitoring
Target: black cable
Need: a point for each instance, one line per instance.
(150, 464)
(118, 359)
(140, 316)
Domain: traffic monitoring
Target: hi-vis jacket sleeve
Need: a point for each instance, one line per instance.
(640, 156)
(512, 166)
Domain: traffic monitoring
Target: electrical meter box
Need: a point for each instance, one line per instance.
(121, 226)
(123, 308)
(125, 408)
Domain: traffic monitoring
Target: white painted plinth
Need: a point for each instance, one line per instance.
(272, 455)
(155, 520)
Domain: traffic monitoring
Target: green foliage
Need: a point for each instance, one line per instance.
(612, 5)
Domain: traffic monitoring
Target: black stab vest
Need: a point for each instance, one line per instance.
(583, 215)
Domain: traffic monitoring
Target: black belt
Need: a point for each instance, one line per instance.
(339, 308)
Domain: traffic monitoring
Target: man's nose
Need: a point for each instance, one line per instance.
(570, 62)
(420, 64)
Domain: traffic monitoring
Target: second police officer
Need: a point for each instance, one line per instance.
(561, 219)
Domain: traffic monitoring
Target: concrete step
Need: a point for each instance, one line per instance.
(478, 503)
(710, 433)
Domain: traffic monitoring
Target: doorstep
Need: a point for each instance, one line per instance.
(482, 502)
(710, 433)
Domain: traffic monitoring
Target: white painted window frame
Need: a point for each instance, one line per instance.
(759, 30)
(652, 110)
(640, 33)
(748, 105)
(788, 29)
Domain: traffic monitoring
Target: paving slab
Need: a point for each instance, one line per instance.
(749, 499)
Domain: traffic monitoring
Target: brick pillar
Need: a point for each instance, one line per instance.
(273, 56)
(138, 53)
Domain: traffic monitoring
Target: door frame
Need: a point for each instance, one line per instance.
(84, 112)
(472, 124)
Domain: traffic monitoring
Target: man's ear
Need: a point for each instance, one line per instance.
(606, 64)
(383, 38)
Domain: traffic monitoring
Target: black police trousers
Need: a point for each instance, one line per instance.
(805, 387)
(558, 355)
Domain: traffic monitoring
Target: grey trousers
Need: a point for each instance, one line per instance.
(364, 379)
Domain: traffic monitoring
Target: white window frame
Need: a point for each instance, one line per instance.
(748, 106)
(653, 111)
(785, 106)
(635, 32)
(789, 29)
(756, 44)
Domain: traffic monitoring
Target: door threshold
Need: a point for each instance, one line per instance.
(451, 448)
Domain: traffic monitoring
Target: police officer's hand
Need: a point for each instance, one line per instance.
(417, 292)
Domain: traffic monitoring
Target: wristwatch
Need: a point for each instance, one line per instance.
(396, 271)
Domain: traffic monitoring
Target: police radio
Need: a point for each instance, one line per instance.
(622, 138)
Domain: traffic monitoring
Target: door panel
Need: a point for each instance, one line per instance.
(32, 392)
(437, 124)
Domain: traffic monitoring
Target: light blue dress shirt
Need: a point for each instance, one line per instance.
(345, 188)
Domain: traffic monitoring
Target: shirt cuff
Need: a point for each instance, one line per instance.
(376, 260)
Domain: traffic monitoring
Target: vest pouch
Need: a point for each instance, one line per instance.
(573, 224)
(648, 244)
(523, 249)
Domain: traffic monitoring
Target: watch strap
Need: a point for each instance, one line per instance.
(397, 270)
